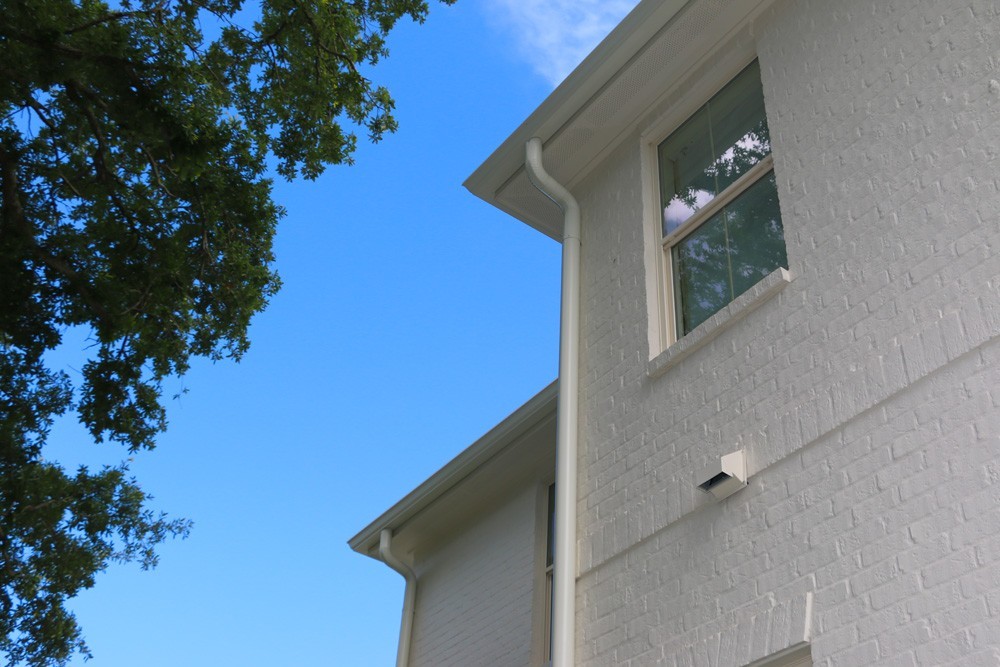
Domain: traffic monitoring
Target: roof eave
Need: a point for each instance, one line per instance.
(583, 83)
(475, 456)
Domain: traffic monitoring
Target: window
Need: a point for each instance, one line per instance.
(721, 227)
(550, 531)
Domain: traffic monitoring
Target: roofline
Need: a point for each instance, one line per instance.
(609, 57)
(475, 456)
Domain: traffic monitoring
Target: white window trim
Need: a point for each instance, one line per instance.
(547, 612)
(549, 576)
(666, 348)
(542, 596)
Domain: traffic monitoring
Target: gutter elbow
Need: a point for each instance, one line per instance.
(552, 189)
(409, 597)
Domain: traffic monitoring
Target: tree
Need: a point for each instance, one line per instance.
(134, 147)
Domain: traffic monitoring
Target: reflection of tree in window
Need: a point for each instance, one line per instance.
(728, 254)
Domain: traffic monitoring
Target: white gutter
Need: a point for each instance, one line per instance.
(409, 597)
(564, 566)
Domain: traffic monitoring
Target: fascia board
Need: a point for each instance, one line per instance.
(603, 63)
(475, 456)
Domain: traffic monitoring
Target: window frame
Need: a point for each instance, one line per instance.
(549, 563)
(678, 105)
(541, 601)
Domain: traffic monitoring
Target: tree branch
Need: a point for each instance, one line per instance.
(39, 506)
(75, 280)
(11, 211)
(114, 16)
(155, 170)
(100, 165)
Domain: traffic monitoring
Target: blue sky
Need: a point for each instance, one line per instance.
(413, 318)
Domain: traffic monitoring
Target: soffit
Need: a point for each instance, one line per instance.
(603, 100)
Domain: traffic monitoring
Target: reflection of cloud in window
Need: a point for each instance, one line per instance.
(750, 143)
(679, 210)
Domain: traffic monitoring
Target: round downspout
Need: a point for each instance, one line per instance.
(564, 566)
(409, 597)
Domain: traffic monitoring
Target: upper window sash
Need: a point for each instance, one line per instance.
(713, 149)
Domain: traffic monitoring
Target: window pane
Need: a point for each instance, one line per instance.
(717, 145)
(739, 127)
(686, 179)
(756, 239)
(701, 271)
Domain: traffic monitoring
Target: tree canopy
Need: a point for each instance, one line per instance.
(135, 145)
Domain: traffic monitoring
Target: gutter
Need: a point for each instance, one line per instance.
(409, 597)
(586, 83)
(567, 411)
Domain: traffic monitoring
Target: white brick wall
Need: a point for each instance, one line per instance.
(475, 592)
(867, 393)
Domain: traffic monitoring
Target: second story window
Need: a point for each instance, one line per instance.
(721, 224)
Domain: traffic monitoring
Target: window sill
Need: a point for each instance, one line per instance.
(742, 306)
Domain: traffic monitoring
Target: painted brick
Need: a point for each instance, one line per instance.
(865, 393)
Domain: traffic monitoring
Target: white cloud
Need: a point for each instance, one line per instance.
(553, 36)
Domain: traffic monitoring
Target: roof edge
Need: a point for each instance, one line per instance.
(602, 64)
(477, 454)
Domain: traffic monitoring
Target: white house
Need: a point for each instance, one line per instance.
(782, 267)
